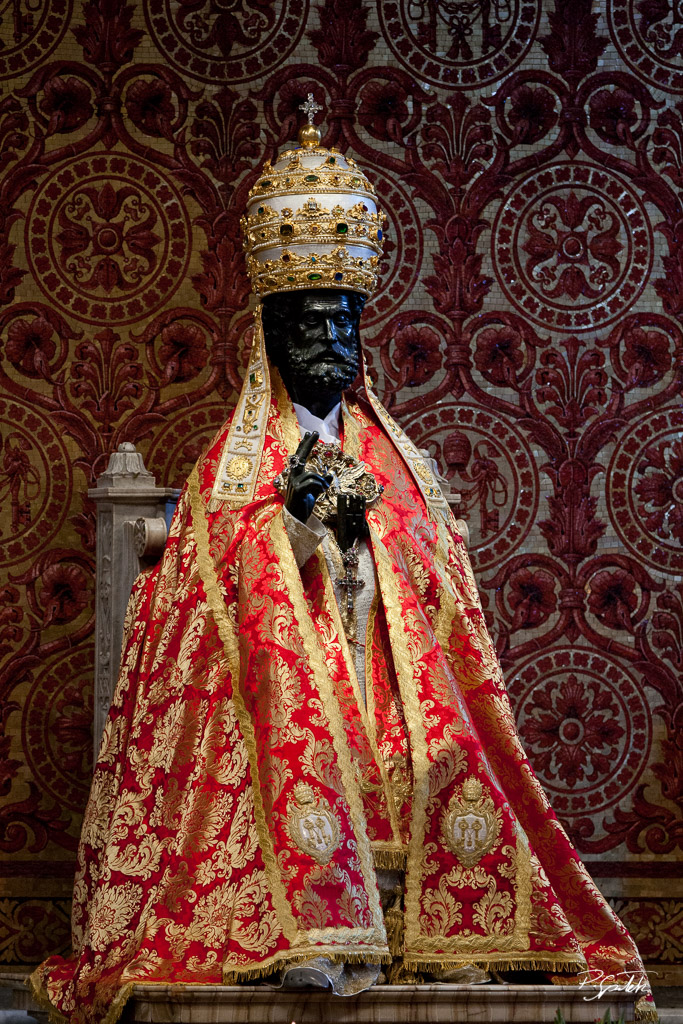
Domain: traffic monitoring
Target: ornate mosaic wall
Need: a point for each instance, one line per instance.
(528, 331)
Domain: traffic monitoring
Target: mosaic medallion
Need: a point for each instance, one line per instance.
(572, 247)
(649, 38)
(32, 31)
(585, 725)
(57, 727)
(460, 44)
(645, 490)
(403, 248)
(488, 462)
(214, 41)
(108, 239)
(35, 480)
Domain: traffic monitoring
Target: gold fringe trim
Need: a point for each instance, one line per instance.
(449, 964)
(236, 977)
(389, 860)
(55, 1017)
(394, 924)
(646, 1011)
(40, 996)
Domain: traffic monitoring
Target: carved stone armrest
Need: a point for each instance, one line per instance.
(126, 495)
(149, 538)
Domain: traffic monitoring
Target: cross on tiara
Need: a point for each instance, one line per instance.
(310, 107)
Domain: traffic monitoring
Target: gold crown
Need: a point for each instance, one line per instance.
(471, 790)
(312, 221)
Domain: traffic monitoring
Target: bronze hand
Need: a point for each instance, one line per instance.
(303, 487)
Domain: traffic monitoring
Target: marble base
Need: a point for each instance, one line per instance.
(384, 1004)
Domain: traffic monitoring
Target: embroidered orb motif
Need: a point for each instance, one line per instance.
(238, 467)
(312, 824)
(572, 247)
(108, 239)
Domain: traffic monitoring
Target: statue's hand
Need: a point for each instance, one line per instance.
(304, 487)
(351, 523)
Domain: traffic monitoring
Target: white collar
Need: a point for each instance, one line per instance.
(328, 429)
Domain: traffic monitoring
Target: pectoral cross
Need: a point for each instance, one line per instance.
(348, 581)
(310, 107)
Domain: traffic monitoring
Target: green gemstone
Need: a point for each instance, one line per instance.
(331, 160)
(291, 279)
(314, 277)
(261, 209)
(311, 177)
(265, 184)
(342, 229)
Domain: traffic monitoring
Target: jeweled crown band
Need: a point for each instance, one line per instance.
(312, 222)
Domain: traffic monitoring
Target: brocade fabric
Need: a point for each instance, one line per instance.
(238, 712)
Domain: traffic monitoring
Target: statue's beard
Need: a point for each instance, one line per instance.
(322, 375)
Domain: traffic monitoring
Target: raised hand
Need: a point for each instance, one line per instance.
(304, 487)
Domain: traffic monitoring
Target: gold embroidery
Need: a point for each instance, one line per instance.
(227, 632)
(368, 727)
(470, 825)
(406, 667)
(247, 431)
(312, 824)
(316, 659)
(238, 467)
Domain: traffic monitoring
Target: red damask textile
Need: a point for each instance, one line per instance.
(244, 794)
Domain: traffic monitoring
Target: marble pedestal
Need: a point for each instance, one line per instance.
(385, 1004)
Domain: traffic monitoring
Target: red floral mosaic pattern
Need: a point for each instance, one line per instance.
(528, 333)
(586, 721)
(108, 239)
(646, 490)
(215, 41)
(573, 247)
(490, 465)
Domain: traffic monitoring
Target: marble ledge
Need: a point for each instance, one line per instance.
(386, 1004)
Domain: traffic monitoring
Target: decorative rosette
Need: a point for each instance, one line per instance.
(312, 221)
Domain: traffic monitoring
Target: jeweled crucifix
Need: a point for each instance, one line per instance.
(349, 581)
(310, 107)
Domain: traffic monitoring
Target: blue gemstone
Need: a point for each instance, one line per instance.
(379, 234)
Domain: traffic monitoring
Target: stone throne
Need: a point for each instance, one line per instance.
(133, 517)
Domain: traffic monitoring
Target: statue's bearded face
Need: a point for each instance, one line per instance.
(312, 337)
